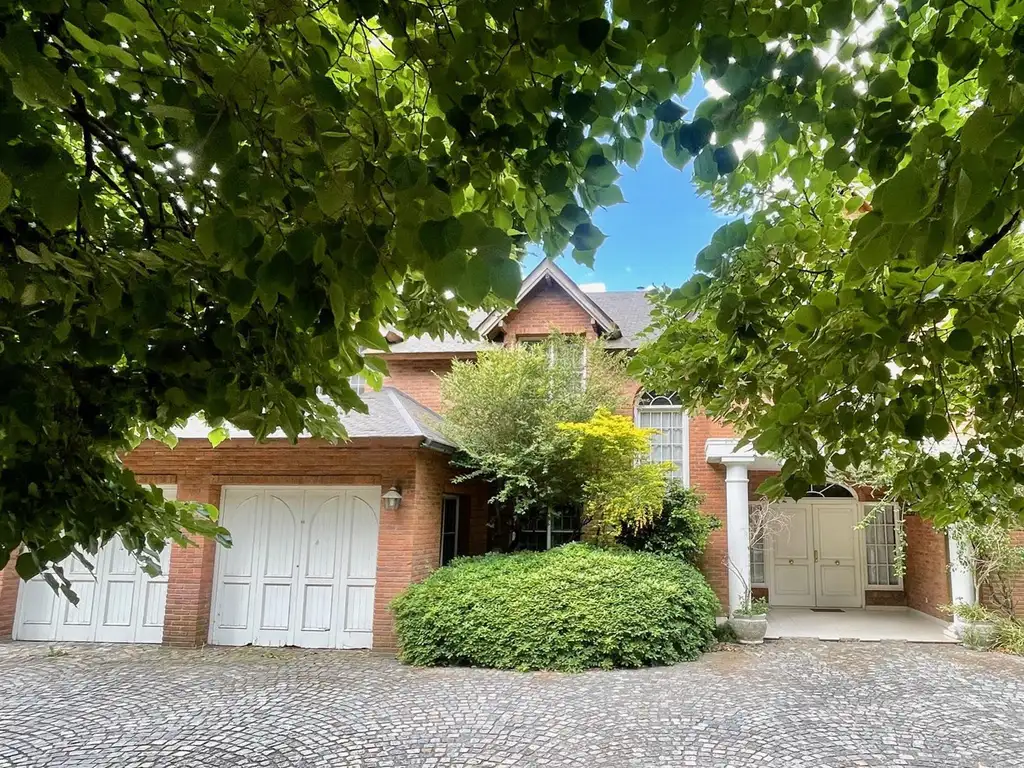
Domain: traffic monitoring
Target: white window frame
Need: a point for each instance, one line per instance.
(762, 547)
(866, 509)
(668, 407)
(550, 530)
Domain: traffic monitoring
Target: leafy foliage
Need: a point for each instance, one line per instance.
(213, 209)
(869, 305)
(1010, 636)
(609, 454)
(568, 609)
(504, 412)
(757, 606)
(680, 530)
(995, 560)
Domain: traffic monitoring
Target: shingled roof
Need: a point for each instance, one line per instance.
(622, 315)
(390, 413)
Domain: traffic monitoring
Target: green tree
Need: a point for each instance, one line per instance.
(868, 305)
(528, 419)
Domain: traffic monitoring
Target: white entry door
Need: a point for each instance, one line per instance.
(117, 601)
(838, 562)
(301, 570)
(793, 560)
(816, 558)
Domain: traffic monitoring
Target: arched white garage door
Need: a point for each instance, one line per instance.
(117, 602)
(302, 567)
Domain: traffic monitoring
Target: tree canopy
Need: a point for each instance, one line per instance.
(216, 209)
(867, 309)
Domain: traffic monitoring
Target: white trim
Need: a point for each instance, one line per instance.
(548, 268)
(720, 450)
(898, 517)
(638, 409)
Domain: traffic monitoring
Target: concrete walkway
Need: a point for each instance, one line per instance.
(855, 624)
(787, 704)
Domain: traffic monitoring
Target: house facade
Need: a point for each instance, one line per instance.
(325, 536)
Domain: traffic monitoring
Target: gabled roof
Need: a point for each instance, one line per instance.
(547, 269)
(390, 413)
(621, 316)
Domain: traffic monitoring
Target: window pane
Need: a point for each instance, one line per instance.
(668, 443)
(880, 545)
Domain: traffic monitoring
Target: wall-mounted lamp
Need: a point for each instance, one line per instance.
(392, 499)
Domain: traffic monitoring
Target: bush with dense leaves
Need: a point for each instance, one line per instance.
(568, 609)
(681, 530)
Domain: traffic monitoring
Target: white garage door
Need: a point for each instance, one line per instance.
(117, 602)
(301, 569)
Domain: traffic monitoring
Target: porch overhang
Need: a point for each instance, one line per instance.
(731, 450)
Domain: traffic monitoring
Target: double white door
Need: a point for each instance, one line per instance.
(302, 568)
(817, 557)
(117, 601)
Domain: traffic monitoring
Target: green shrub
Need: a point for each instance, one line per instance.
(1010, 636)
(682, 530)
(568, 609)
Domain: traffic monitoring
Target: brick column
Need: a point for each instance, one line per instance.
(9, 583)
(190, 580)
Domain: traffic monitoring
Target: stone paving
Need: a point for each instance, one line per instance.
(788, 703)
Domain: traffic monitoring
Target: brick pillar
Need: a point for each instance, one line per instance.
(190, 580)
(9, 583)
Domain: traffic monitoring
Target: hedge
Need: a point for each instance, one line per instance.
(568, 609)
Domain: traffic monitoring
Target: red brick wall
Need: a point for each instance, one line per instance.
(408, 544)
(418, 378)
(8, 597)
(709, 479)
(546, 309)
(926, 582)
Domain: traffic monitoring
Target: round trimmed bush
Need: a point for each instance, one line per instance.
(571, 608)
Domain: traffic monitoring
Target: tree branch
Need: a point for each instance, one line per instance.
(978, 252)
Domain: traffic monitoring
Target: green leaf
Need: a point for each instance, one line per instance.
(592, 33)
(960, 340)
(669, 112)
(915, 426)
(693, 137)
(905, 198)
(58, 207)
(5, 191)
(506, 279)
(27, 566)
(610, 195)
(217, 436)
(600, 171)
(632, 151)
(83, 39)
(705, 167)
(924, 74)
(476, 280)
(937, 426)
(587, 237)
(886, 84)
(440, 238)
(309, 29)
(726, 160)
(806, 318)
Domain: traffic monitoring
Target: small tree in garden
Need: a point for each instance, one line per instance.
(681, 529)
(995, 561)
(537, 421)
(619, 488)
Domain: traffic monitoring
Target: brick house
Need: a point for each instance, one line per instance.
(322, 542)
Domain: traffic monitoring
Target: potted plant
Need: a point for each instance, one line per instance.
(750, 621)
(979, 625)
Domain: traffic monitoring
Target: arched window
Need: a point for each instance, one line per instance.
(830, 491)
(671, 441)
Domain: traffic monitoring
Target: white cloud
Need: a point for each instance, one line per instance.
(593, 287)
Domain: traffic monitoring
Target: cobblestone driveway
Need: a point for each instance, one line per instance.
(787, 704)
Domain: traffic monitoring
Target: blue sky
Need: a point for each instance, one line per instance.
(654, 236)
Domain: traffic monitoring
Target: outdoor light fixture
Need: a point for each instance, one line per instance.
(392, 499)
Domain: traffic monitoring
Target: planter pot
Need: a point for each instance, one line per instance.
(749, 629)
(978, 635)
